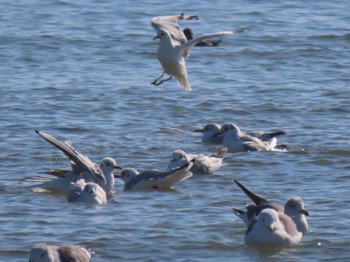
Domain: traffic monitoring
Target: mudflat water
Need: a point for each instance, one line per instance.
(81, 70)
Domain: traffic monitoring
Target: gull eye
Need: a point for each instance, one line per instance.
(107, 164)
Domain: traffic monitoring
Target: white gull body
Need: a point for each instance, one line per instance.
(52, 253)
(274, 229)
(154, 179)
(82, 168)
(294, 208)
(237, 141)
(203, 165)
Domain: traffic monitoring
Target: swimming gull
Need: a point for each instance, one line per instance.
(237, 141)
(203, 165)
(154, 179)
(272, 228)
(90, 192)
(294, 208)
(52, 253)
(211, 134)
(82, 168)
(174, 48)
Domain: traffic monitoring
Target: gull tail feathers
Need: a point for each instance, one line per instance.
(221, 154)
(184, 83)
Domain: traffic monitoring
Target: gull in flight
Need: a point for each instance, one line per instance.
(174, 47)
(293, 208)
(61, 180)
(203, 165)
(238, 141)
(90, 192)
(273, 229)
(51, 253)
(154, 179)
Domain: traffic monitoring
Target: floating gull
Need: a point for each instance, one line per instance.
(203, 165)
(211, 133)
(174, 47)
(294, 208)
(154, 179)
(82, 168)
(272, 228)
(237, 141)
(90, 192)
(51, 253)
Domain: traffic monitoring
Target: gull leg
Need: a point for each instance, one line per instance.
(155, 81)
(161, 82)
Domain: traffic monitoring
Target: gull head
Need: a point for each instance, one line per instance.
(268, 218)
(229, 128)
(163, 35)
(179, 155)
(211, 128)
(295, 207)
(127, 174)
(41, 253)
(90, 188)
(108, 164)
(179, 158)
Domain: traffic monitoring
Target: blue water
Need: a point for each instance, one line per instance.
(80, 70)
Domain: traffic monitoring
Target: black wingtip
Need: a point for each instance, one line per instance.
(257, 199)
(238, 211)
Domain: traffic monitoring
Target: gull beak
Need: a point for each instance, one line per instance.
(117, 167)
(304, 212)
(172, 159)
(156, 37)
(270, 227)
(116, 175)
(199, 130)
(218, 134)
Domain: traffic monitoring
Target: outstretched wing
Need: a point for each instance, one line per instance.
(79, 160)
(258, 199)
(165, 178)
(170, 24)
(185, 48)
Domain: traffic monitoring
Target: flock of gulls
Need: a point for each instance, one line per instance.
(269, 225)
